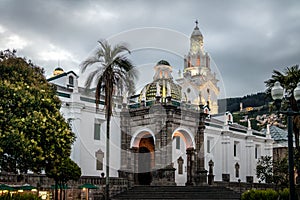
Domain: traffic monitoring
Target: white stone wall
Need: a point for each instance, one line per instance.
(180, 179)
(222, 153)
(82, 116)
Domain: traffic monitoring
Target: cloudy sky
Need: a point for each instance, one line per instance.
(246, 39)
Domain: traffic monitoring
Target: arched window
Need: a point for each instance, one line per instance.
(198, 61)
(180, 165)
(71, 80)
(237, 170)
(99, 159)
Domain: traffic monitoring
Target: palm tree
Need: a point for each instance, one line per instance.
(113, 72)
(289, 80)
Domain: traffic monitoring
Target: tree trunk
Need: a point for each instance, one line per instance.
(107, 157)
(60, 191)
(56, 190)
(64, 194)
(108, 104)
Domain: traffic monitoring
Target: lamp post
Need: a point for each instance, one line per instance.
(277, 93)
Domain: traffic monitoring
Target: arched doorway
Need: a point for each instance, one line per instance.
(145, 160)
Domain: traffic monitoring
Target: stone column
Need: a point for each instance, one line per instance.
(268, 142)
(250, 157)
(125, 144)
(168, 124)
(225, 157)
(190, 156)
(74, 117)
(200, 176)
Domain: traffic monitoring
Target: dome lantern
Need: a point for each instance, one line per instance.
(162, 85)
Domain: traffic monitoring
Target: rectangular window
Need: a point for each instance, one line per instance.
(177, 142)
(236, 149)
(208, 146)
(97, 128)
(257, 151)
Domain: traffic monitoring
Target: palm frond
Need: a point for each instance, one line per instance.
(90, 78)
(119, 49)
(114, 72)
(89, 62)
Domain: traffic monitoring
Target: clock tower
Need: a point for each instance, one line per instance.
(199, 83)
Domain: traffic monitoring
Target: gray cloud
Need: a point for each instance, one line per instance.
(246, 39)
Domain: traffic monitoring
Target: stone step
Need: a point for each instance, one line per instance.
(177, 192)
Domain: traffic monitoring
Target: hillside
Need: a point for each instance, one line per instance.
(253, 100)
(254, 107)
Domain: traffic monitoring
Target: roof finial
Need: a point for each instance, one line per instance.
(196, 22)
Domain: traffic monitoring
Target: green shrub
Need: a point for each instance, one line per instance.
(260, 195)
(23, 196)
(284, 194)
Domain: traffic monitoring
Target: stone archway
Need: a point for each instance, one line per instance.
(186, 136)
(143, 142)
(146, 120)
(145, 161)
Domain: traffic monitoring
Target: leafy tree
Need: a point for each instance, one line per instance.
(280, 171)
(32, 129)
(289, 80)
(113, 73)
(264, 169)
(63, 172)
(273, 171)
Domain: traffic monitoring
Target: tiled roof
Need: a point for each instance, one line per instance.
(278, 134)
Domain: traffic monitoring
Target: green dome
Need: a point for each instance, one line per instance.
(151, 89)
(163, 62)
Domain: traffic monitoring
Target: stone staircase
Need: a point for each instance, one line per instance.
(177, 192)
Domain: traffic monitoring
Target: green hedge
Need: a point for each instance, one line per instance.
(268, 194)
(24, 196)
(284, 194)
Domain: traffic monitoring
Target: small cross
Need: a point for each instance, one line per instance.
(196, 22)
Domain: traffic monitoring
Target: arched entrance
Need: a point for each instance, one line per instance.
(143, 144)
(145, 160)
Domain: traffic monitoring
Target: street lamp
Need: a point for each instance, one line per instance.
(277, 95)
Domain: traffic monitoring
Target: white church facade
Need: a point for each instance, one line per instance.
(170, 134)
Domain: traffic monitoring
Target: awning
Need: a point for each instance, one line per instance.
(88, 186)
(60, 187)
(6, 187)
(25, 187)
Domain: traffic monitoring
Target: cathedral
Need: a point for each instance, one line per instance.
(169, 134)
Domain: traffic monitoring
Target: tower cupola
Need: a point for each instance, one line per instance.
(196, 40)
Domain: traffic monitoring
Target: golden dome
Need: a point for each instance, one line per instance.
(58, 71)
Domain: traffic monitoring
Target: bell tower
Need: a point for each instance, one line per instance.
(198, 82)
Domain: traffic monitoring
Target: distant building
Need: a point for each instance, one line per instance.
(280, 146)
(169, 134)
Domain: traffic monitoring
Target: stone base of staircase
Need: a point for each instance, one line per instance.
(178, 193)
